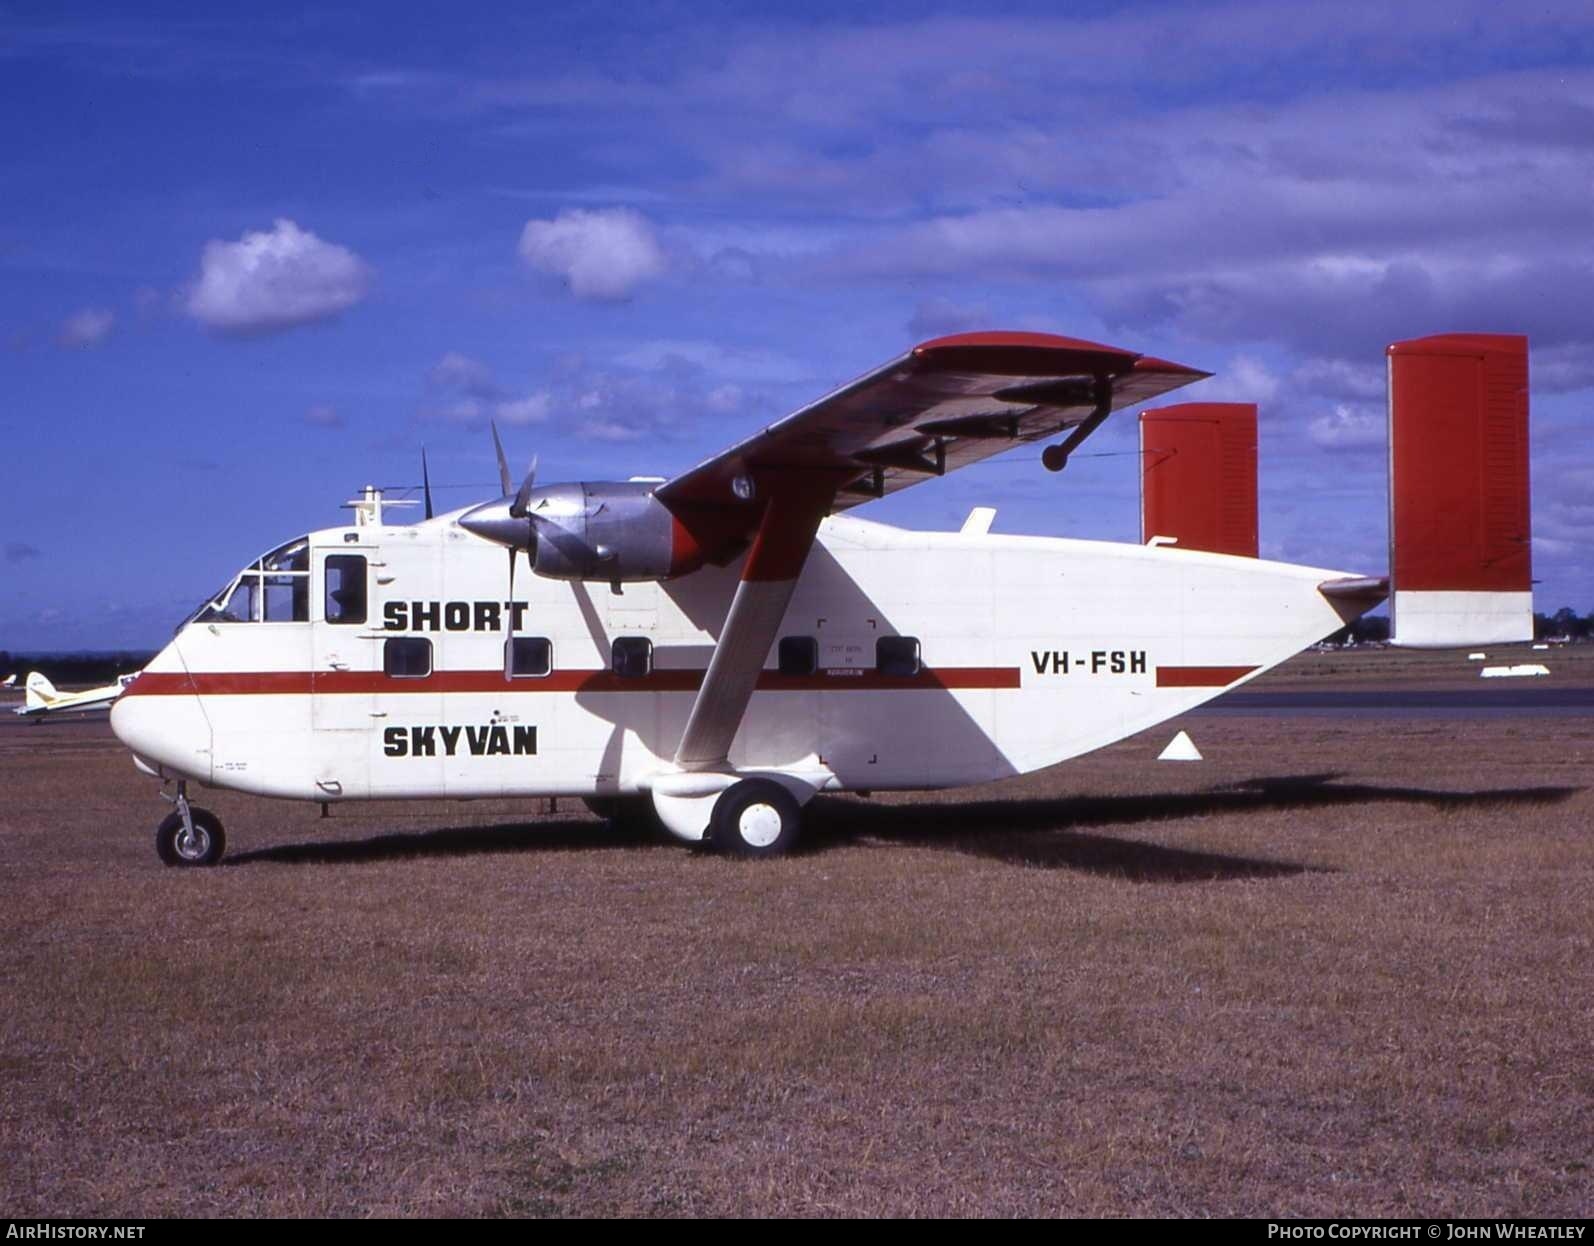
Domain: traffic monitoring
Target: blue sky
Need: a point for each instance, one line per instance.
(248, 264)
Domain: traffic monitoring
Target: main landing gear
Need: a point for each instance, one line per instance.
(755, 818)
(191, 836)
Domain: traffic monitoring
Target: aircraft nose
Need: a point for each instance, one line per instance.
(493, 522)
(160, 720)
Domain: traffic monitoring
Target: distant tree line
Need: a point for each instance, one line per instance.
(1564, 624)
(65, 669)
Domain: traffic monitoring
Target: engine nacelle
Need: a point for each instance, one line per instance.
(604, 530)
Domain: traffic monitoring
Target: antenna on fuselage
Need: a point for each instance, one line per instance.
(368, 506)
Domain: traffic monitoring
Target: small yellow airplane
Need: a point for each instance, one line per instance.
(41, 699)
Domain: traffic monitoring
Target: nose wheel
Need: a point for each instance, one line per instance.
(191, 836)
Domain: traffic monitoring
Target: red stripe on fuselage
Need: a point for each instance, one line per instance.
(1200, 676)
(328, 683)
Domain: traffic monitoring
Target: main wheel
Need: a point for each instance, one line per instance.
(756, 818)
(204, 847)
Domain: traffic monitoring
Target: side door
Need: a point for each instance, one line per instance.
(345, 670)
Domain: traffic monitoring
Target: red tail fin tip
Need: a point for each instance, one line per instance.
(1198, 476)
(1460, 557)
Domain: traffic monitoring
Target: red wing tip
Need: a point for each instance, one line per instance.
(998, 341)
(1150, 363)
(1009, 339)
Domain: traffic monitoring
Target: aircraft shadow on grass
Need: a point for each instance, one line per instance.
(1045, 832)
(454, 841)
(1036, 833)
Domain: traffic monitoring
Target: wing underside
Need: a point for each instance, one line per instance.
(942, 405)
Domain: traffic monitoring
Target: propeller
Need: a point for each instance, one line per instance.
(518, 509)
(426, 483)
(503, 463)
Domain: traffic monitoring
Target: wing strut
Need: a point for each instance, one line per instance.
(796, 503)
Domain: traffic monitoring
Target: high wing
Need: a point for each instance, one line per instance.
(943, 405)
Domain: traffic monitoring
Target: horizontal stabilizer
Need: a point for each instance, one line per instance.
(1363, 590)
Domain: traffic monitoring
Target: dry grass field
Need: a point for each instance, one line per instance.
(1346, 965)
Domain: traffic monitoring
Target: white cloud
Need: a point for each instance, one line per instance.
(603, 254)
(88, 327)
(460, 411)
(1349, 427)
(938, 317)
(1245, 379)
(461, 372)
(728, 363)
(1340, 378)
(269, 281)
(532, 409)
(609, 430)
(1563, 369)
(724, 399)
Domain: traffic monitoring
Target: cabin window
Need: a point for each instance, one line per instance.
(345, 596)
(897, 656)
(633, 656)
(406, 657)
(798, 655)
(530, 657)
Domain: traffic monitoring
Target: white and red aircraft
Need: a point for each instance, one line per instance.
(724, 645)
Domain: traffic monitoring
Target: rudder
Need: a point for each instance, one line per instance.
(40, 692)
(1198, 476)
(1460, 557)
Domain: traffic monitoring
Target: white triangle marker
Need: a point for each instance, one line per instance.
(1180, 748)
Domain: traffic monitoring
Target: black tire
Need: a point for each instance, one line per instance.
(209, 841)
(756, 818)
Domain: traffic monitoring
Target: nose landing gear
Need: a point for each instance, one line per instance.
(191, 836)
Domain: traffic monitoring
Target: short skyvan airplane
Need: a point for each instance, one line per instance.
(724, 645)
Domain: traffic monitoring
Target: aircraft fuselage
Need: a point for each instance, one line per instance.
(905, 660)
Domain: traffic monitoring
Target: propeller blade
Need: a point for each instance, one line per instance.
(509, 621)
(517, 508)
(426, 483)
(503, 464)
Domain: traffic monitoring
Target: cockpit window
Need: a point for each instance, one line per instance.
(285, 599)
(292, 557)
(273, 589)
(240, 604)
